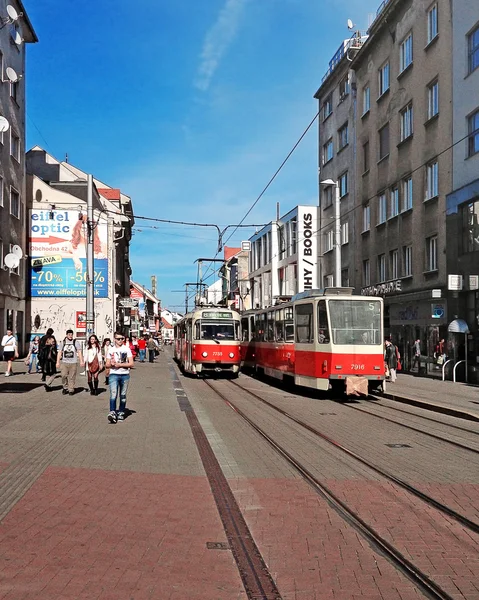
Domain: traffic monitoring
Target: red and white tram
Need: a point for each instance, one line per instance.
(322, 339)
(207, 341)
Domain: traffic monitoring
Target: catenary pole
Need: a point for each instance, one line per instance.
(90, 261)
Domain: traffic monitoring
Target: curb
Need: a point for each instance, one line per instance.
(446, 410)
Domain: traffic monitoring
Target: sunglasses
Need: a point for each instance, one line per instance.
(119, 338)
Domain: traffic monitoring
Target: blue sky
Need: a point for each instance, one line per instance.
(189, 107)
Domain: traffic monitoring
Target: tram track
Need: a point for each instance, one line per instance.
(422, 581)
(446, 510)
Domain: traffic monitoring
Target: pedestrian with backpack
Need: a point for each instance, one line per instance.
(69, 355)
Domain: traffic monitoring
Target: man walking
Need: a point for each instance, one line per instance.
(152, 346)
(417, 354)
(142, 348)
(119, 359)
(69, 354)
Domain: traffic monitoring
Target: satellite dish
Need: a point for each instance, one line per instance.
(12, 75)
(350, 24)
(12, 13)
(11, 261)
(4, 124)
(18, 38)
(17, 251)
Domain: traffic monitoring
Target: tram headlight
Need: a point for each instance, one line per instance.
(232, 354)
(205, 354)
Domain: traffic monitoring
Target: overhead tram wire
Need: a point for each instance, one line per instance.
(421, 166)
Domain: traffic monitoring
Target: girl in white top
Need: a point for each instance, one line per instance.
(93, 363)
(10, 352)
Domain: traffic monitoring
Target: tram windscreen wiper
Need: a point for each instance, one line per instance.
(217, 341)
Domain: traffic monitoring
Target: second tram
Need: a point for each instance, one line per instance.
(207, 341)
(322, 339)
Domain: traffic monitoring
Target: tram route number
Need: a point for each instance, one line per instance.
(357, 367)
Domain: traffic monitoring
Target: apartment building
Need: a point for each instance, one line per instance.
(463, 201)
(403, 168)
(337, 123)
(16, 31)
(283, 259)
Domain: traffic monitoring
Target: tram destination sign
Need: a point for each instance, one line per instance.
(216, 315)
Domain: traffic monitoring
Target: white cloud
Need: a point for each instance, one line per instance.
(217, 41)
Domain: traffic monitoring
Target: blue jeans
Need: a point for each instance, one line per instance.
(142, 354)
(118, 383)
(33, 364)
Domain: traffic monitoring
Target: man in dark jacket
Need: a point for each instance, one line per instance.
(41, 353)
(391, 359)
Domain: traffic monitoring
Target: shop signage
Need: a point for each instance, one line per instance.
(128, 302)
(307, 248)
(454, 283)
(389, 287)
(246, 246)
(81, 319)
(474, 282)
(438, 311)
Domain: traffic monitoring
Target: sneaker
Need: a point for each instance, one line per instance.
(121, 416)
(64, 391)
(7, 374)
(71, 393)
(112, 417)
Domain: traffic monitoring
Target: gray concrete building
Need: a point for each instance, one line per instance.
(336, 142)
(403, 169)
(463, 201)
(15, 32)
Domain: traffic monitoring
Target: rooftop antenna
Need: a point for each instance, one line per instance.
(12, 75)
(66, 157)
(13, 16)
(351, 25)
(4, 125)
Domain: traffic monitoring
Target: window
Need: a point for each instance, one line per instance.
(16, 270)
(382, 209)
(329, 241)
(383, 79)
(15, 145)
(405, 54)
(14, 90)
(343, 136)
(304, 323)
(431, 253)
(343, 87)
(366, 99)
(473, 49)
(470, 228)
(366, 217)
(407, 193)
(394, 264)
(432, 99)
(407, 260)
(345, 232)
(323, 327)
(328, 281)
(366, 157)
(394, 202)
(328, 196)
(384, 142)
(432, 28)
(366, 273)
(294, 235)
(345, 278)
(473, 131)
(343, 184)
(382, 267)
(406, 117)
(14, 203)
(328, 151)
(327, 108)
(432, 188)
(1, 191)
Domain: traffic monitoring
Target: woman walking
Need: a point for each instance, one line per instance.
(32, 361)
(93, 363)
(391, 359)
(49, 355)
(10, 351)
(104, 349)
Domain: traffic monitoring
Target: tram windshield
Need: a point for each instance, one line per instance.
(355, 322)
(217, 331)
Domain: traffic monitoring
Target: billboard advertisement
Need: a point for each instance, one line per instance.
(58, 255)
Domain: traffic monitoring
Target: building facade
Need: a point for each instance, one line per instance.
(14, 35)
(403, 169)
(463, 201)
(283, 259)
(337, 123)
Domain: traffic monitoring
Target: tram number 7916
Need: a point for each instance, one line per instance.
(357, 367)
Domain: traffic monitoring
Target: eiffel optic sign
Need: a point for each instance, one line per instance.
(389, 287)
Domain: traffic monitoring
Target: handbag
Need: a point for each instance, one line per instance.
(94, 366)
(399, 367)
(440, 360)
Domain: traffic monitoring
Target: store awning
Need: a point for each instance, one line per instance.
(458, 326)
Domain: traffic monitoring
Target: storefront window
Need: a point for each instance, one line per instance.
(471, 227)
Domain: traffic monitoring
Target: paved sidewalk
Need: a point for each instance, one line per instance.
(457, 399)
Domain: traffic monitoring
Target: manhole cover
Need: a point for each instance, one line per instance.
(217, 545)
(399, 445)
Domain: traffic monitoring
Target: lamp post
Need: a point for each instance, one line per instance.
(337, 230)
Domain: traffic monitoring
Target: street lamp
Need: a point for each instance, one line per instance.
(337, 230)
